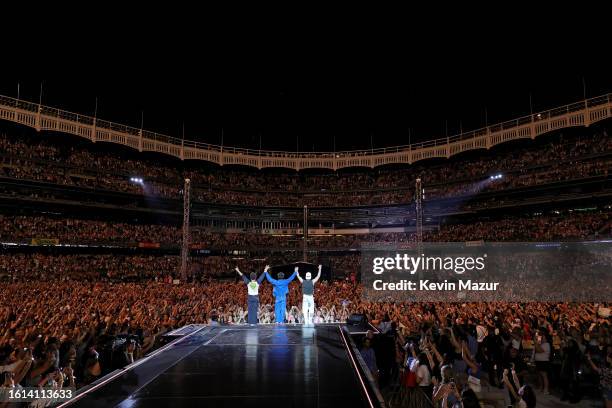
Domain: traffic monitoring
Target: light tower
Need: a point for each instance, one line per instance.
(185, 246)
(305, 247)
(418, 201)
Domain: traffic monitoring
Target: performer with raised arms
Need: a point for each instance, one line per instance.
(253, 293)
(308, 305)
(281, 287)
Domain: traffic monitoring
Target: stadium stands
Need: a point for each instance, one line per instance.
(89, 257)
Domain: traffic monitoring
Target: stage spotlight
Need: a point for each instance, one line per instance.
(496, 177)
(136, 180)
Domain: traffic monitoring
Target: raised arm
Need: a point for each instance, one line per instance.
(441, 393)
(432, 363)
(465, 354)
(593, 366)
(509, 385)
(292, 277)
(298, 276)
(318, 275)
(516, 379)
(436, 353)
(263, 275)
(22, 369)
(454, 341)
(244, 278)
(270, 279)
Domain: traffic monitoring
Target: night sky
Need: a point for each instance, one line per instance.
(306, 98)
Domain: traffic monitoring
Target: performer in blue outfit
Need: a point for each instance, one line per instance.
(280, 293)
(253, 291)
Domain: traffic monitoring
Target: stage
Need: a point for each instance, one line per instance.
(241, 366)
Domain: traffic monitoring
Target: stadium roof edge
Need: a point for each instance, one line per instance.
(41, 117)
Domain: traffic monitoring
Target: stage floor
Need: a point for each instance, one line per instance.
(239, 366)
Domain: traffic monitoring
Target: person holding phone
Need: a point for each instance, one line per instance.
(524, 396)
(446, 394)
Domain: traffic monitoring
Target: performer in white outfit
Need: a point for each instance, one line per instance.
(308, 305)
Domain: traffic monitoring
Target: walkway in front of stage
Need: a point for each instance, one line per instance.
(239, 366)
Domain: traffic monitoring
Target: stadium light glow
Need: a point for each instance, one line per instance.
(137, 180)
(496, 176)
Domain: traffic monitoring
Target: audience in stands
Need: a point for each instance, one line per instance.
(566, 226)
(70, 318)
(564, 158)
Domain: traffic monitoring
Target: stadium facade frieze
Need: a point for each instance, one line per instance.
(46, 118)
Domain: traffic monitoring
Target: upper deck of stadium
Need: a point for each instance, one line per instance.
(46, 118)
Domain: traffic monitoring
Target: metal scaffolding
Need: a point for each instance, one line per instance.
(185, 246)
(305, 248)
(418, 201)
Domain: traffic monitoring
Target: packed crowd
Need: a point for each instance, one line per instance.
(561, 226)
(71, 318)
(73, 230)
(569, 226)
(28, 267)
(24, 267)
(444, 354)
(86, 329)
(564, 158)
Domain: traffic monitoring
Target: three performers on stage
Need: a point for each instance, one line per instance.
(281, 288)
